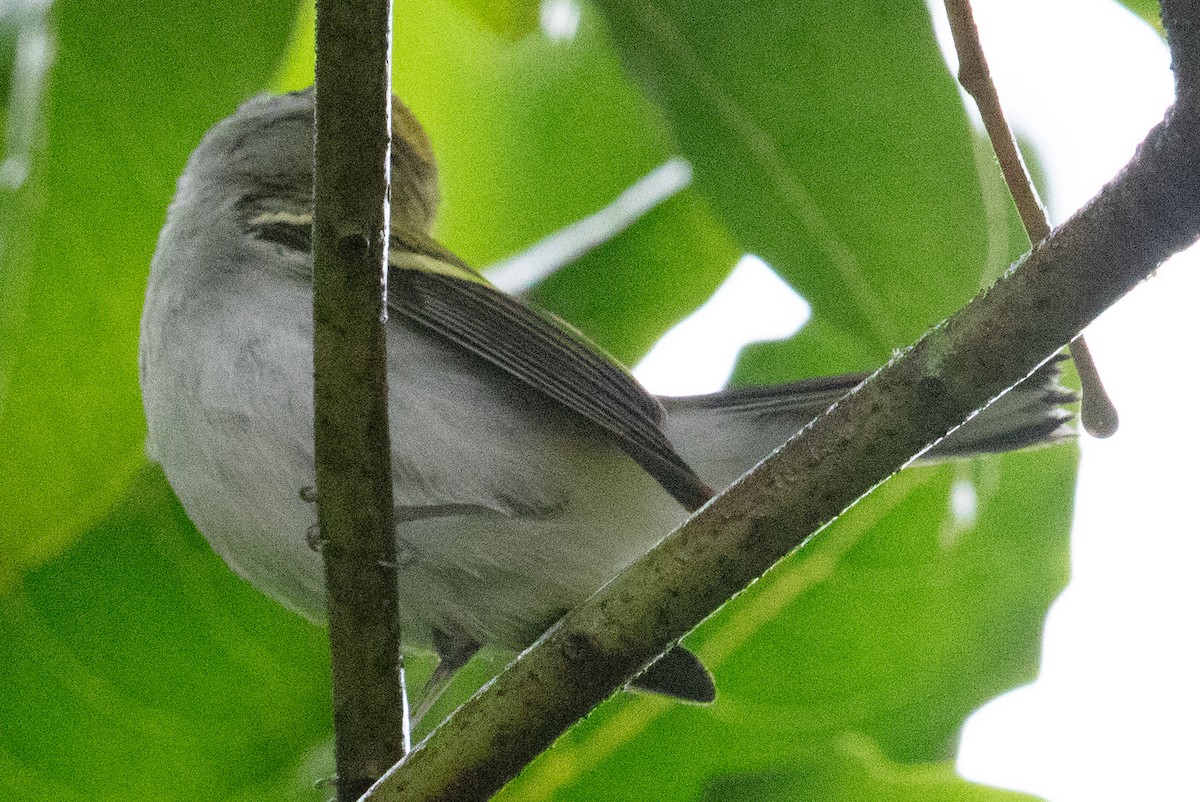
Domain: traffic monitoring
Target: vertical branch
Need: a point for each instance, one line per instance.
(353, 459)
(1098, 414)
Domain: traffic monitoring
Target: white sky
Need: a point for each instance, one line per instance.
(1114, 713)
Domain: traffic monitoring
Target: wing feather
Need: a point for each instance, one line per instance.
(435, 289)
(544, 353)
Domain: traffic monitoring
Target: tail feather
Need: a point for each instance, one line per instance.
(679, 674)
(724, 434)
(1030, 414)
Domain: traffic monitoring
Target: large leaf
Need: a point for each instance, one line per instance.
(131, 91)
(137, 666)
(894, 624)
(834, 145)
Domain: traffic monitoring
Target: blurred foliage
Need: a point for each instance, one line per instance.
(129, 93)
(834, 146)
(511, 19)
(830, 141)
(135, 657)
(1148, 10)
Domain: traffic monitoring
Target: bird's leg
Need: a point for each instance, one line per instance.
(454, 651)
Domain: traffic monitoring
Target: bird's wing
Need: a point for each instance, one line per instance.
(438, 291)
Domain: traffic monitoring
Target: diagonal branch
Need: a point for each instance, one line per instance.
(1148, 212)
(353, 453)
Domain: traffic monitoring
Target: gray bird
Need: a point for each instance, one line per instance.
(528, 466)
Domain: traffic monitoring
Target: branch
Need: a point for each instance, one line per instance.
(1097, 412)
(1148, 212)
(353, 452)
(1181, 18)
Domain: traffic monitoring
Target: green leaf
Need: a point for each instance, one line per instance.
(836, 146)
(889, 628)
(131, 92)
(833, 144)
(511, 19)
(137, 666)
(1148, 10)
(854, 769)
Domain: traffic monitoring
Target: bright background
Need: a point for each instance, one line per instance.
(1113, 714)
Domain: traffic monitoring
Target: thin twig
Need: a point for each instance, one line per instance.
(353, 453)
(1097, 412)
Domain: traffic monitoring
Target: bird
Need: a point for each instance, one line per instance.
(528, 466)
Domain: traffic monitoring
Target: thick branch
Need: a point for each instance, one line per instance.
(353, 455)
(1149, 212)
(1181, 18)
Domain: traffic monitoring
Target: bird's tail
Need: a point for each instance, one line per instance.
(724, 434)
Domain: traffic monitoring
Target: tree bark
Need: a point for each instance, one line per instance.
(1148, 212)
(353, 450)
